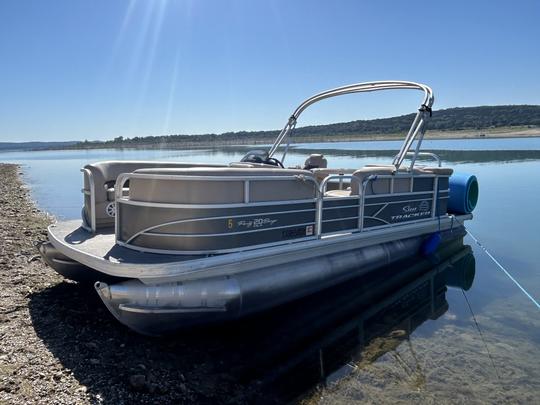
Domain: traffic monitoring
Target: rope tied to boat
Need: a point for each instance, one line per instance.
(481, 334)
(500, 266)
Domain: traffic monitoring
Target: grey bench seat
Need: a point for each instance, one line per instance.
(193, 186)
(402, 181)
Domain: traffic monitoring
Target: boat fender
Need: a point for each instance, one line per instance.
(431, 244)
(463, 193)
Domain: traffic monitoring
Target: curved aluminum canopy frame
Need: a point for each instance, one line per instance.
(416, 132)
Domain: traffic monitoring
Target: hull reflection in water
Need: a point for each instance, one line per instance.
(329, 335)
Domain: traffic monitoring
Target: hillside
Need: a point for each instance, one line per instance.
(13, 146)
(451, 119)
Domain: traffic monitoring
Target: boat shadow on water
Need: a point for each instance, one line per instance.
(275, 356)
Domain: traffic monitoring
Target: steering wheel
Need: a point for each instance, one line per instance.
(274, 162)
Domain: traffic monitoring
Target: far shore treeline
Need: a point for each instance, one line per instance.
(451, 119)
(461, 121)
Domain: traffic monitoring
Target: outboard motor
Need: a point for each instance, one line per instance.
(315, 161)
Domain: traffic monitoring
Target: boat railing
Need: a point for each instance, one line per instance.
(323, 204)
(435, 192)
(320, 201)
(123, 178)
(363, 196)
(432, 155)
(89, 223)
(415, 133)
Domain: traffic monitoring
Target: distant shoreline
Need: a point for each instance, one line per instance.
(491, 133)
(498, 133)
(499, 121)
(485, 134)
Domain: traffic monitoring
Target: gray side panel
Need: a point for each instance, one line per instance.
(423, 184)
(336, 226)
(241, 224)
(442, 206)
(216, 228)
(398, 212)
(403, 197)
(339, 202)
(378, 186)
(340, 213)
(233, 241)
(443, 183)
(152, 216)
(337, 215)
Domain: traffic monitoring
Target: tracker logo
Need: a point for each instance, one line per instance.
(424, 206)
(412, 211)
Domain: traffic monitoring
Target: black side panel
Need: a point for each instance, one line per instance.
(398, 212)
(224, 241)
(443, 183)
(342, 225)
(211, 229)
(423, 184)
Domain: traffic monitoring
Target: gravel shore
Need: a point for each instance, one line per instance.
(60, 345)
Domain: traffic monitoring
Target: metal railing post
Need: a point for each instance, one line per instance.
(92, 192)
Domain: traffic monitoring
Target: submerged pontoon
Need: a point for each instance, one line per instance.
(174, 244)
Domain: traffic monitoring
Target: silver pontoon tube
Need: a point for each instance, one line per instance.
(416, 131)
(165, 307)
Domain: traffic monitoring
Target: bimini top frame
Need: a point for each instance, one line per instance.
(416, 132)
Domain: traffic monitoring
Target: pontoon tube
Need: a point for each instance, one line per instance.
(162, 308)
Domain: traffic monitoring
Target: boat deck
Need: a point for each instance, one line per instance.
(102, 245)
(100, 252)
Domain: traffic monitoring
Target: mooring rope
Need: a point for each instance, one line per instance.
(535, 302)
(527, 294)
(481, 334)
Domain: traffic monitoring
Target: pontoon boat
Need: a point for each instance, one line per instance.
(176, 244)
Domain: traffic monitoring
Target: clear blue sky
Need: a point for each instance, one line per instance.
(99, 69)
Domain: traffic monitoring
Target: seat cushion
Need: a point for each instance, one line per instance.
(337, 193)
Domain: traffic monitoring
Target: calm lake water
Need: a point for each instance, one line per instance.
(477, 344)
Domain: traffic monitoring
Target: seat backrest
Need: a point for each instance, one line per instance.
(440, 171)
(379, 186)
(402, 180)
(106, 172)
(104, 175)
(321, 174)
(199, 190)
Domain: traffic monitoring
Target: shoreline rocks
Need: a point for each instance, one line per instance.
(58, 345)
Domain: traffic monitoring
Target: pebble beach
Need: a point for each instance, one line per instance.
(61, 346)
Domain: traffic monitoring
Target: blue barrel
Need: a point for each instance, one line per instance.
(463, 193)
